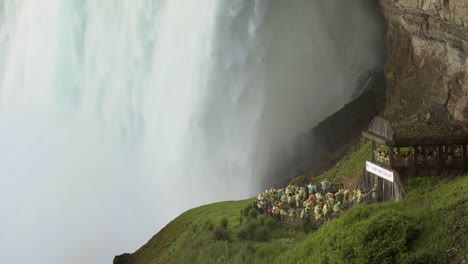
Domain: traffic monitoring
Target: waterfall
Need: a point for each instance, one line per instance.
(118, 115)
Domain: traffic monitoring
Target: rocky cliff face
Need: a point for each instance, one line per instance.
(427, 56)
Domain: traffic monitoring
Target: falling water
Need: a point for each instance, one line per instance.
(117, 115)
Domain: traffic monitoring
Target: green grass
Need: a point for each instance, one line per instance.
(189, 238)
(349, 163)
(423, 228)
(182, 231)
(345, 162)
(420, 229)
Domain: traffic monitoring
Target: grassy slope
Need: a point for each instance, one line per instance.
(177, 234)
(420, 229)
(349, 164)
(346, 162)
(188, 238)
(430, 221)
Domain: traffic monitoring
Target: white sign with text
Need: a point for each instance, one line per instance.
(379, 171)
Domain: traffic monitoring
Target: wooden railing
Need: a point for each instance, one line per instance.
(388, 190)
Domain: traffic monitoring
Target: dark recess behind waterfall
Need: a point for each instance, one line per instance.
(334, 132)
(337, 130)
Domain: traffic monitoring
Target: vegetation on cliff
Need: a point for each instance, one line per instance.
(429, 226)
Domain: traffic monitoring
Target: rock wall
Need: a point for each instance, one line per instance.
(427, 62)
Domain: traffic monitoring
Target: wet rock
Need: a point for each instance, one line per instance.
(427, 48)
(428, 116)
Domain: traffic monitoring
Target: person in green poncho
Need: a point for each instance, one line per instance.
(337, 208)
(318, 212)
(312, 188)
(347, 197)
(325, 186)
(339, 195)
(292, 215)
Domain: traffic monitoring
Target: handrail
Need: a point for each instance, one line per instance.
(397, 190)
(364, 197)
(400, 182)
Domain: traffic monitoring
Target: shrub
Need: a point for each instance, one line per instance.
(262, 219)
(224, 222)
(389, 233)
(242, 233)
(381, 238)
(262, 233)
(306, 226)
(422, 257)
(251, 226)
(247, 230)
(271, 223)
(247, 210)
(208, 225)
(253, 214)
(220, 233)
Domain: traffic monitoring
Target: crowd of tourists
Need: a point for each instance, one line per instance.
(425, 156)
(400, 158)
(309, 202)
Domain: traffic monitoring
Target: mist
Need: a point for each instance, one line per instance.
(116, 116)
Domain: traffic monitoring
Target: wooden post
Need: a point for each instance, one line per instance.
(439, 159)
(373, 151)
(463, 158)
(390, 157)
(415, 167)
(383, 190)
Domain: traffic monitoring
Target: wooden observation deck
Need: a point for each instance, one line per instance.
(428, 148)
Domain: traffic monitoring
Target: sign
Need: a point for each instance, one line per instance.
(379, 171)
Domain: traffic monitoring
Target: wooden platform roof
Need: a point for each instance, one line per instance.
(398, 134)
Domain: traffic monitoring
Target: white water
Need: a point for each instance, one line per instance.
(118, 115)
